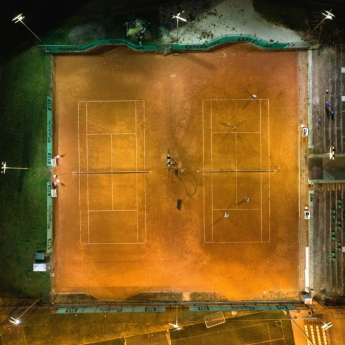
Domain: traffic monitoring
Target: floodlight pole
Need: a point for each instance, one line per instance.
(4, 167)
(20, 18)
(328, 15)
(17, 320)
(177, 19)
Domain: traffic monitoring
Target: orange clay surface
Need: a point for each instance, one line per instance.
(120, 234)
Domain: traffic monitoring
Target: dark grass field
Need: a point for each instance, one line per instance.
(248, 329)
(112, 329)
(24, 87)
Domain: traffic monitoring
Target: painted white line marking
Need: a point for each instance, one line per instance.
(212, 168)
(115, 101)
(261, 168)
(112, 176)
(236, 209)
(237, 99)
(236, 170)
(111, 133)
(144, 166)
(237, 132)
(79, 176)
(87, 177)
(203, 165)
(91, 243)
(112, 210)
(269, 174)
(136, 167)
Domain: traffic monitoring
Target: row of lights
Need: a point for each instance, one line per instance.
(20, 17)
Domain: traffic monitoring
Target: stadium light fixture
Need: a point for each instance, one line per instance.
(4, 167)
(17, 320)
(20, 18)
(326, 325)
(14, 321)
(177, 19)
(332, 152)
(327, 15)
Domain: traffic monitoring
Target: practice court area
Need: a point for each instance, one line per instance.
(117, 228)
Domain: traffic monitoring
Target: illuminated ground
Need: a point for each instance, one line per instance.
(116, 235)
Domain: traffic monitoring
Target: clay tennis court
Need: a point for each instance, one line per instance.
(116, 233)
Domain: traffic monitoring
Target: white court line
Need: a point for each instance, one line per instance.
(87, 177)
(299, 172)
(269, 336)
(236, 99)
(79, 177)
(115, 101)
(111, 133)
(269, 174)
(241, 242)
(112, 210)
(136, 167)
(237, 132)
(144, 165)
(261, 167)
(236, 168)
(212, 168)
(203, 166)
(283, 333)
(261, 157)
(236, 209)
(112, 176)
(87, 244)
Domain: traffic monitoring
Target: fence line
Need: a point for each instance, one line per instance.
(247, 38)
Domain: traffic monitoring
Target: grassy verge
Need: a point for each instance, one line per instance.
(292, 14)
(23, 86)
(94, 22)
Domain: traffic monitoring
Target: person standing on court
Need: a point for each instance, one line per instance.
(253, 96)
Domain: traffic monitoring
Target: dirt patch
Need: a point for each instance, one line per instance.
(123, 110)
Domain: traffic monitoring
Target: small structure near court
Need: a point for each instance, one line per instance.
(214, 319)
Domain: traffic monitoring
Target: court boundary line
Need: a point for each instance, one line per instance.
(112, 177)
(79, 175)
(203, 165)
(144, 168)
(261, 173)
(111, 150)
(269, 168)
(212, 164)
(110, 133)
(236, 99)
(112, 210)
(237, 132)
(87, 177)
(136, 166)
(236, 209)
(261, 167)
(115, 101)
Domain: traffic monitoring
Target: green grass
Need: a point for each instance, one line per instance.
(24, 87)
(111, 24)
(247, 329)
(292, 14)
